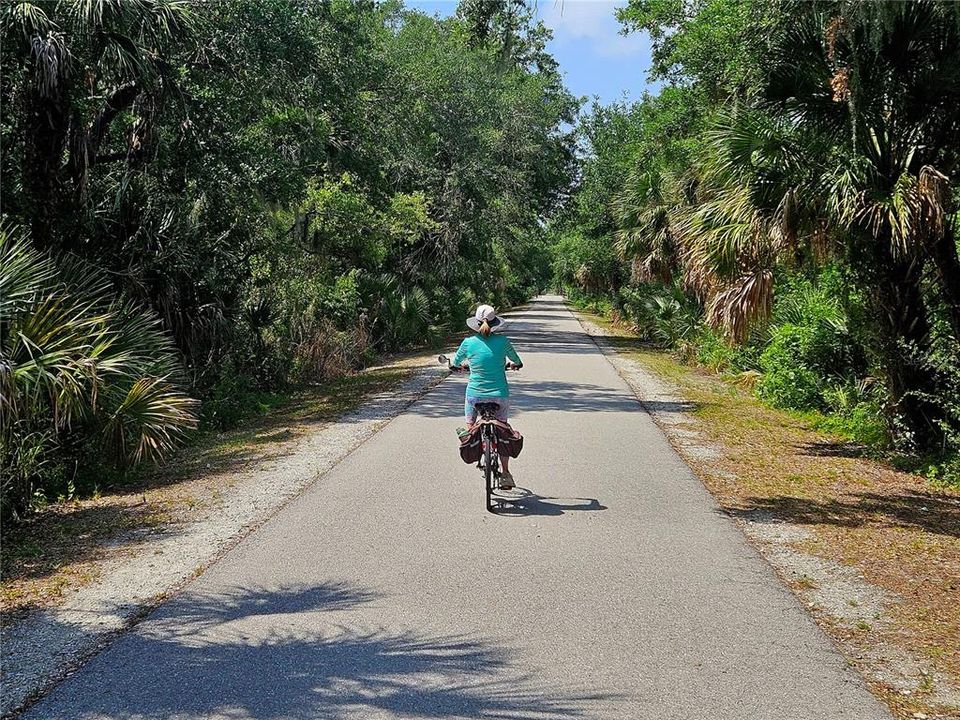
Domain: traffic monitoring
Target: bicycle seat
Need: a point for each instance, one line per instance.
(487, 409)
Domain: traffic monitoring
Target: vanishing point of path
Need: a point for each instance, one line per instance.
(619, 590)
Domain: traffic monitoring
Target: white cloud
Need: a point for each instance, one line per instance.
(590, 20)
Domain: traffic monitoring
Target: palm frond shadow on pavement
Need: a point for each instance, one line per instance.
(271, 654)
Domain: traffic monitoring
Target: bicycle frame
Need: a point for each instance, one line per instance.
(490, 459)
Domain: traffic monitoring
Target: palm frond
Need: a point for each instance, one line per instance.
(742, 303)
(151, 419)
(52, 58)
(23, 17)
(23, 271)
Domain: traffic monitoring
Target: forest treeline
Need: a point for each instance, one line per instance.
(203, 201)
(784, 210)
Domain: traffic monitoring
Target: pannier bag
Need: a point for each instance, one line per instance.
(509, 442)
(471, 447)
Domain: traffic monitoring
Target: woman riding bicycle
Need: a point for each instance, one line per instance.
(486, 354)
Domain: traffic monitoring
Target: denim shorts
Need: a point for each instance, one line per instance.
(470, 407)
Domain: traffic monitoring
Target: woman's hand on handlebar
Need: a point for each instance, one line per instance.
(444, 360)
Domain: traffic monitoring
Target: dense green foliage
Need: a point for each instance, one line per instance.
(288, 186)
(785, 208)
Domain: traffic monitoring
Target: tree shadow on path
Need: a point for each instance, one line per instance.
(269, 654)
(536, 396)
(926, 511)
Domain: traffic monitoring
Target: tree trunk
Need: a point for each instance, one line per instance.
(47, 125)
(905, 330)
(85, 148)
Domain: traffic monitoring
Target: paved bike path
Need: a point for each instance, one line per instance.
(386, 591)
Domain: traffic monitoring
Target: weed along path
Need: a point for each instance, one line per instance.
(618, 590)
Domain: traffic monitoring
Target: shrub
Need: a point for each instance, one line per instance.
(326, 353)
(401, 314)
(788, 381)
(715, 351)
(674, 319)
(946, 471)
(661, 313)
(856, 410)
(943, 361)
(809, 346)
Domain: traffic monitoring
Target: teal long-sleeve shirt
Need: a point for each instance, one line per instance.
(487, 358)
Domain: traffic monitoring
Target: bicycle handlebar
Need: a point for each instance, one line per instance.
(444, 360)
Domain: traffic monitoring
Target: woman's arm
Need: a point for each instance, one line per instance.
(512, 354)
(461, 354)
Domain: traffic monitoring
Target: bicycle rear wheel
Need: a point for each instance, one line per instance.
(488, 469)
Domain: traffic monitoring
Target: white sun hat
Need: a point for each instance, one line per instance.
(486, 312)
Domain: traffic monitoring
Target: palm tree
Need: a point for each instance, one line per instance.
(847, 150)
(645, 213)
(755, 211)
(86, 63)
(724, 230)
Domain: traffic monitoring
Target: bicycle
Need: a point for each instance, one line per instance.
(489, 461)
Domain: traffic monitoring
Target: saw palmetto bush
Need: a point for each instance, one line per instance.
(401, 314)
(663, 314)
(82, 375)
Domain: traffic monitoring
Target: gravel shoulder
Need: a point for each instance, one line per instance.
(907, 665)
(157, 558)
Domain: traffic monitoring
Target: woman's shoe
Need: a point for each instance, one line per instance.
(506, 481)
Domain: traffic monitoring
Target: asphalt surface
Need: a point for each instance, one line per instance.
(617, 590)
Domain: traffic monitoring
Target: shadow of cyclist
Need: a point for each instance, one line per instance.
(531, 504)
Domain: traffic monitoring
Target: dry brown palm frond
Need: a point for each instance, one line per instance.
(725, 234)
(747, 380)
(822, 242)
(742, 303)
(914, 211)
(730, 248)
(787, 221)
(935, 200)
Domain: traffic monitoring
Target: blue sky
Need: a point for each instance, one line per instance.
(595, 59)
